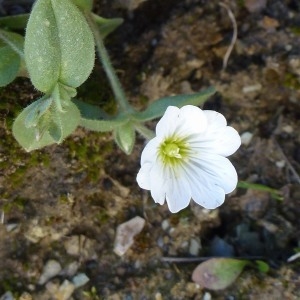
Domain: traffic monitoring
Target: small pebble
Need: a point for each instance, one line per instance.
(252, 88)
(71, 269)
(165, 225)
(207, 296)
(246, 138)
(195, 246)
(7, 296)
(280, 164)
(65, 290)
(125, 234)
(11, 227)
(80, 280)
(51, 269)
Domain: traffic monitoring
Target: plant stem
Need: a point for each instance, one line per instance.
(144, 131)
(108, 68)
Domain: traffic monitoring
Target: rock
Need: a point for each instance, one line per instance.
(252, 88)
(80, 245)
(246, 138)
(71, 269)
(25, 296)
(65, 290)
(255, 203)
(7, 296)
(80, 280)
(255, 5)
(126, 233)
(51, 269)
(165, 225)
(12, 227)
(195, 246)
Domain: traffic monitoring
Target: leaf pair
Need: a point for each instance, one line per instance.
(43, 122)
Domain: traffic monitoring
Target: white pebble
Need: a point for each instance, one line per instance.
(252, 88)
(165, 225)
(195, 246)
(280, 164)
(246, 138)
(125, 234)
(51, 269)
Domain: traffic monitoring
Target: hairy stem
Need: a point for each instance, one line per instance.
(108, 68)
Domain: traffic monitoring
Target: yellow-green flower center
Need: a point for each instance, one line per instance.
(173, 151)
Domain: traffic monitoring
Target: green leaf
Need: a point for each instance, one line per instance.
(90, 111)
(106, 26)
(59, 45)
(49, 130)
(103, 125)
(93, 118)
(262, 266)
(84, 4)
(14, 22)
(218, 273)
(157, 109)
(9, 65)
(38, 109)
(11, 47)
(125, 137)
(276, 194)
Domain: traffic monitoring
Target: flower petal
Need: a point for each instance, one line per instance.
(143, 176)
(214, 170)
(178, 193)
(209, 197)
(158, 180)
(215, 119)
(167, 124)
(150, 151)
(191, 120)
(223, 141)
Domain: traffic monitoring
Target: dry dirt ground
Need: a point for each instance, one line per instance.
(64, 203)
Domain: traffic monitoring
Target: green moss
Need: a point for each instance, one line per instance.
(295, 30)
(292, 81)
(90, 152)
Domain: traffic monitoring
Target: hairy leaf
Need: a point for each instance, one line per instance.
(158, 108)
(14, 22)
(106, 26)
(53, 127)
(59, 45)
(125, 137)
(11, 54)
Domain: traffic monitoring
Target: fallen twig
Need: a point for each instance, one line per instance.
(234, 36)
(203, 258)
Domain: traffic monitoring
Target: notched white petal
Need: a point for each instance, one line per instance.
(150, 151)
(178, 193)
(215, 119)
(191, 120)
(158, 179)
(217, 170)
(209, 197)
(167, 124)
(224, 141)
(143, 176)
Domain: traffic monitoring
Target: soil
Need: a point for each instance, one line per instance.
(65, 202)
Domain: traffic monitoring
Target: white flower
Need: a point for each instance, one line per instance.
(187, 159)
